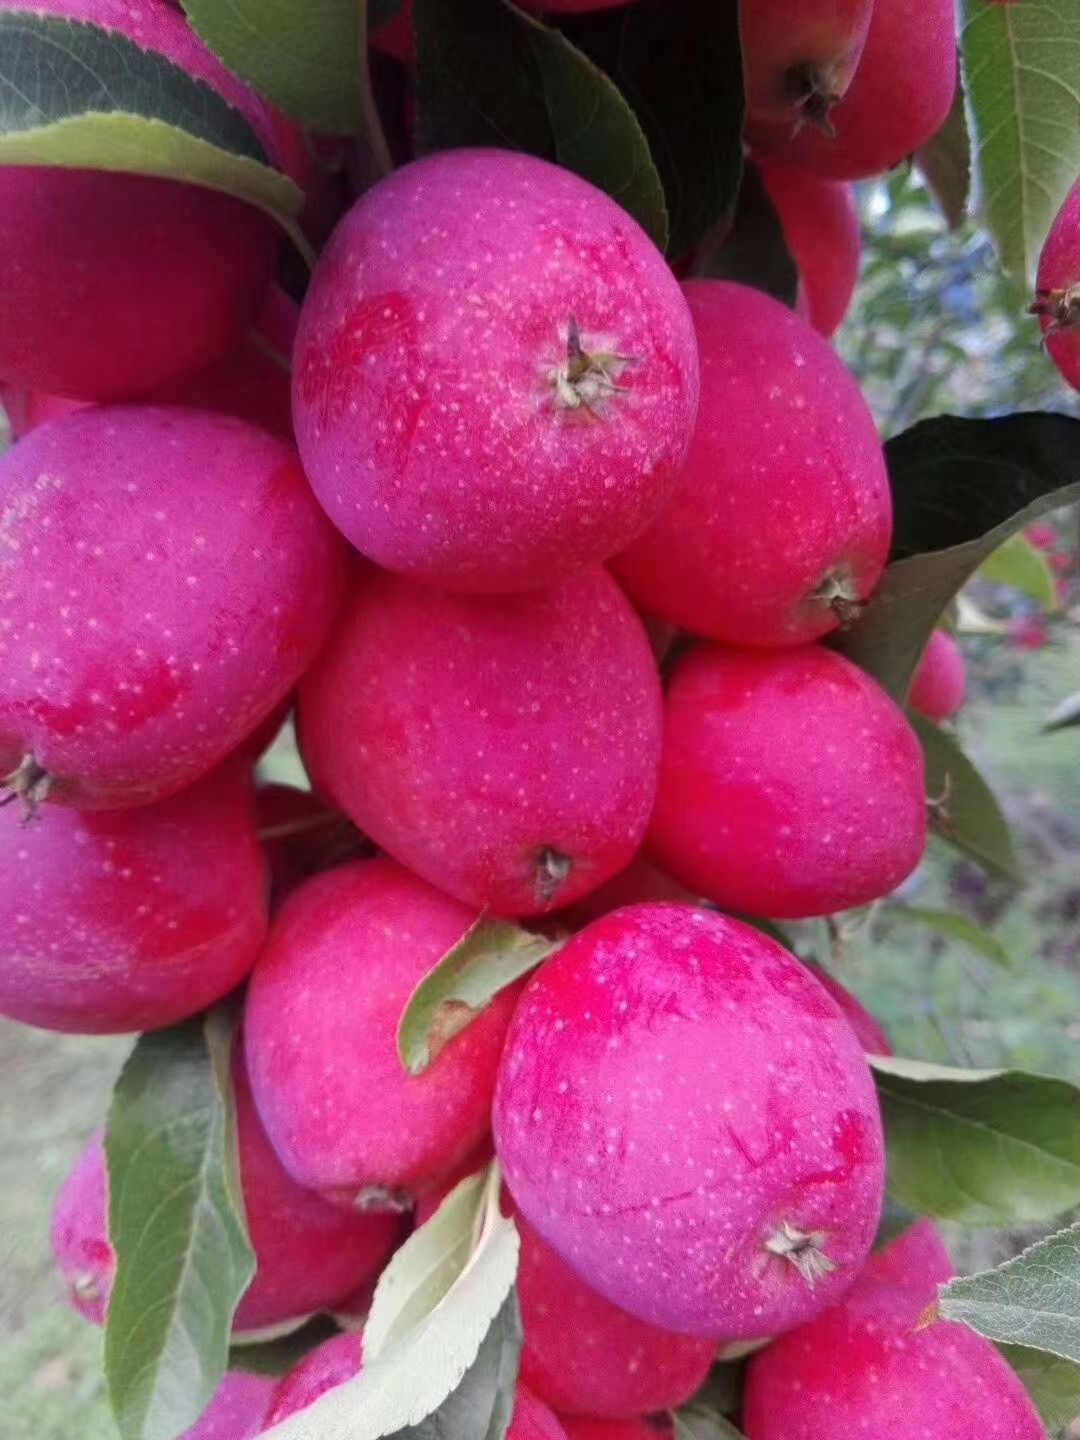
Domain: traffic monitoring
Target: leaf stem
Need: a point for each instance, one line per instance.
(371, 125)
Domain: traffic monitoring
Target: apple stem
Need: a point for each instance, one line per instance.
(29, 783)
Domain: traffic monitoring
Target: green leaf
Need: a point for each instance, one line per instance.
(74, 95)
(981, 1147)
(1063, 716)
(482, 1405)
(176, 1221)
(963, 810)
(956, 927)
(1019, 565)
(961, 488)
(1022, 76)
(945, 163)
(1053, 1383)
(680, 67)
(434, 1304)
(698, 1422)
(487, 74)
(491, 955)
(1033, 1300)
(895, 1219)
(754, 251)
(278, 1356)
(304, 55)
(723, 1388)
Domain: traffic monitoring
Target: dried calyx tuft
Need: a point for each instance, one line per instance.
(813, 90)
(381, 1197)
(839, 593)
(552, 870)
(28, 783)
(1061, 307)
(585, 381)
(803, 1249)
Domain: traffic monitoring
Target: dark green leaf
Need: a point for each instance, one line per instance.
(767, 927)
(1022, 75)
(381, 12)
(955, 927)
(176, 1221)
(487, 74)
(754, 252)
(1053, 1383)
(1033, 1300)
(680, 67)
(963, 810)
(895, 1219)
(277, 1357)
(981, 1147)
(945, 163)
(490, 956)
(960, 489)
(723, 1389)
(302, 54)
(72, 94)
(52, 69)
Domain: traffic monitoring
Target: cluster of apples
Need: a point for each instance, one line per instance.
(521, 471)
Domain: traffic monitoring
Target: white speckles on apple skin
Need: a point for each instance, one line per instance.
(791, 784)
(424, 397)
(785, 483)
(870, 1367)
(345, 953)
(146, 635)
(584, 1356)
(468, 734)
(738, 1100)
(134, 919)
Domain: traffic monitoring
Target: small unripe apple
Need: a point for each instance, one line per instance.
(940, 682)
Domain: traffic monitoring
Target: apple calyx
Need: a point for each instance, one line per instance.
(29, 783)
(586, 381)
(1062, 307)
(803, 1249)
(552, 870)
(839, 593)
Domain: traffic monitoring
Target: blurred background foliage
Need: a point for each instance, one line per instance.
(935, 328)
